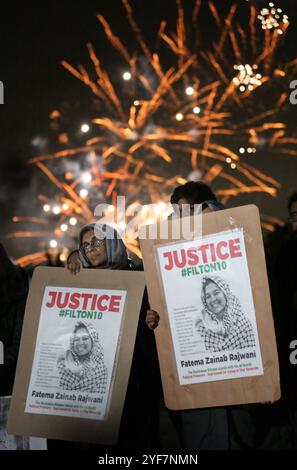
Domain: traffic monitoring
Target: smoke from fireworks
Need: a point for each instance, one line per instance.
(190, 117)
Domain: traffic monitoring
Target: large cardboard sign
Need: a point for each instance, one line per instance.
(218, 342)
(75, 354)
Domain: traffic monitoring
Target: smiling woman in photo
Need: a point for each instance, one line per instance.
(82, 367)
(222, 323)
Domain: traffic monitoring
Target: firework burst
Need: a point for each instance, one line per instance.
(186, 119)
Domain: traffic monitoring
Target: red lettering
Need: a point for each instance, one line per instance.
(52, 303)
(234, 246)
(183, 261)
(93, 306)
(60, 303)
(100, 305)
(74, 300)
(115, 301)
(86, 298)
(84, 301)
(193, 258)
(203, 249)
(168, 266)
(221, 255)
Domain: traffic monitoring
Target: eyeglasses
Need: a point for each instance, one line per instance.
(95, 244)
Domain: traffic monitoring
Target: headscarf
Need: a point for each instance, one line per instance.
(117, 257)
(96, 355)
(233, 308)
(94, 375)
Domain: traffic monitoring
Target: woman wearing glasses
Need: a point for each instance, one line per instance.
(100, 247)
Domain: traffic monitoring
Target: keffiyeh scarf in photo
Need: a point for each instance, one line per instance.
(93, 377)
(234, 331)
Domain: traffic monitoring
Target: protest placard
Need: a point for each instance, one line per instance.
(75, 354)
(216, 340)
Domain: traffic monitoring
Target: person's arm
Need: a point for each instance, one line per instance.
(73, 263)
(152, 319)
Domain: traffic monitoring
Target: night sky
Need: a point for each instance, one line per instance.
(35, 37)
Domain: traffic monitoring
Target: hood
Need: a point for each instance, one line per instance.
(117, 257)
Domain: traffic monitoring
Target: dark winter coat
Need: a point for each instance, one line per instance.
(13, 292)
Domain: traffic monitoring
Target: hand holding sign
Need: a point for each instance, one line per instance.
(75, 374)
(74, 264)
(152, 319)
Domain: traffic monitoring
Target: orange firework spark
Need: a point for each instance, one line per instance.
(149, 141)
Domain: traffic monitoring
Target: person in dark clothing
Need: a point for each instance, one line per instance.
(192, 197)
(14, 290)
(282, 264)
(207, 428)
(101, 248)
(268, 427)
(232, 427)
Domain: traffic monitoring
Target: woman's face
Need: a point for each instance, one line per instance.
(215, 299)
(82, 342)
(95, 249)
